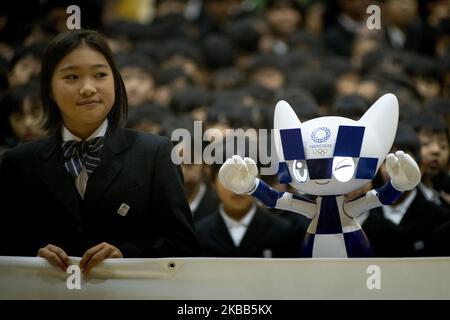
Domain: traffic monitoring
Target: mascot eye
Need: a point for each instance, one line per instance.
(343, 168)
(300, 170)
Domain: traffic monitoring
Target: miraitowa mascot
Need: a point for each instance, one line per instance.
(329, 157)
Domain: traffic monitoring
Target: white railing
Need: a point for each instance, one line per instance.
(224, 279)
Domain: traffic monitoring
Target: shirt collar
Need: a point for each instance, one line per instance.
(429, 193)
(397, 36)
(348, 23)
(198, 197)
(396, 213)
(99, 132)
(232, 223)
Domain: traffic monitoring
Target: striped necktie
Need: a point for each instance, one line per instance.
(79, 154)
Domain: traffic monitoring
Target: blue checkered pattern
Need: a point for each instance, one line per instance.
(283, 173)
(348, 144)
(367, 168)
(319, 169)
(331, 227)
(329, 220)
(292, 142)
(267, 195)
(388, 194)
(357, 244)
(349, 141)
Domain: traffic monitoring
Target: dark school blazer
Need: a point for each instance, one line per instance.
(411, 237)
(42, 205)
(265, 232)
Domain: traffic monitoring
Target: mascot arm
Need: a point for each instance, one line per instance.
(283, 200)
(405, 175)
(387, 194)
(239, 176)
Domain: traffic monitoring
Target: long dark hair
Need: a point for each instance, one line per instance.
(58, 48)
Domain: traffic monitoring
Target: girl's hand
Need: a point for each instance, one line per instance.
(55, 255)
(97, 254)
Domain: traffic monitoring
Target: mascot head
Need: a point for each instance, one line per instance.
(333, 155)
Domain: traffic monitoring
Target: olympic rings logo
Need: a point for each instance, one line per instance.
(320, 151)
(320, 135)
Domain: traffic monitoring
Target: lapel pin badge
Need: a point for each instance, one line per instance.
(123, 209)
(267, 253)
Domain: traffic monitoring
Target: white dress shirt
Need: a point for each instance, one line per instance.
(396, 213)
(237, 228)
(430, 194)
(82, 179)
(198, 197)
(397, 37)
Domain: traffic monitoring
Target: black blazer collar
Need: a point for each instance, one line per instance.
(256, 230)
(110, 165)
(59, 181)
(115, 139)
(51, 170)
(220, 235)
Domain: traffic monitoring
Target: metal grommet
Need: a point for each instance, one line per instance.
(171, 265)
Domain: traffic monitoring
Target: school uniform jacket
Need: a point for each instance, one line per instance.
(410, 238)
(265, 232)
(207, 206)
(41, 204)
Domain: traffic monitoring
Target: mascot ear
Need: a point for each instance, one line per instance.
(382, 118)
(284, 118)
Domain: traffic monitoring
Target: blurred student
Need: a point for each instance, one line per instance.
(241, 228)
(137, 74)
(404, 228)
(434, 139)
(148, 117)
(282, 19)
(202, 198)
(299, 222)
(25, 64)
(191, 100)
(20, 114)
(92, 189)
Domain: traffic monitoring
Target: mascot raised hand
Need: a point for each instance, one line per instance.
(329, 157)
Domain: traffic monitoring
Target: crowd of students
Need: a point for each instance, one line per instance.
(227, 62)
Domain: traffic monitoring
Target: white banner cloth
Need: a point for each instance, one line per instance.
(225, 279)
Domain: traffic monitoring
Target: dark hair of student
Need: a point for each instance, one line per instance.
(12, 102)
(429, 121)
(58, 48)
(351, 106)
(406, 139)
(151, 112)
(35, 50)
(188, 99)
